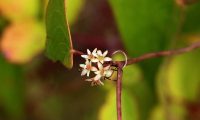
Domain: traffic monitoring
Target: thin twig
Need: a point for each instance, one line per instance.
(76, 52)
(119, 91)
(160, 54)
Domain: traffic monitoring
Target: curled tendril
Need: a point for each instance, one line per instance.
(126, 58)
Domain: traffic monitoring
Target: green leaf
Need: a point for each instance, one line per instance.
(146, 26)
(59, 44)
(192, 18)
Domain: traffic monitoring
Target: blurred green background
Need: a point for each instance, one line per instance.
(32, 87)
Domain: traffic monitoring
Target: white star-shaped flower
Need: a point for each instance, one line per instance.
(87, 67)
(103, 72)
(102, 56)
(91, 55)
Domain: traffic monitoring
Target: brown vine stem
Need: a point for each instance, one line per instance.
(161, 54)
(119, 91)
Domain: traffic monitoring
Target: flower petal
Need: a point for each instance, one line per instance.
(108, 73)
(97, 72)
(105, 53)
(94, 51)
(94, 60)
(99, 53)
(82, 65)
(84, 56)
(97, 77)
(88, 73)
(107, 59)
(95, 54)
(89, 80)
(100, 66)
(87, 62)
(88, 52)
(101, 61)
(93, 69)
(84, 72)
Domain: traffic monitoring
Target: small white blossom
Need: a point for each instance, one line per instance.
(87, 67)
(96, 59)
(102, 56)
(91, 55)
(108, 73)
(103, 72)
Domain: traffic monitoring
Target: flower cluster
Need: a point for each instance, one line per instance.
(95, 63)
